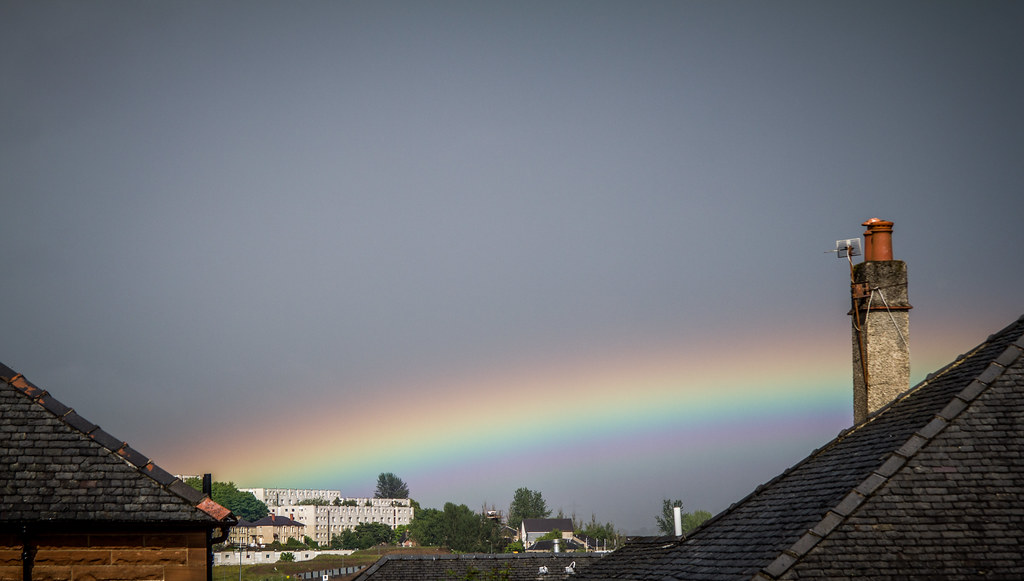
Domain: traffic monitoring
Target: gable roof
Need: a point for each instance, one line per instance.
(546, 525)
(932, 485)
(56, 467)
(519, 566)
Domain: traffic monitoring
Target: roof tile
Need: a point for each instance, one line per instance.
(1011, 354)
(933, 427)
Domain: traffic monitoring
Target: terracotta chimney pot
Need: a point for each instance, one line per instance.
(878, 240)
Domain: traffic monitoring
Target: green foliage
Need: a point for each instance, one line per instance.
(364, 536)
(390, 486)
(346, 540)
(549, 536)
(692, 520)
(425, 527)
(287, 558)
(515, 547)
(601, 532)
(526, 503)
(349, 502)
(374, 533)
(293, 543)
(666, 520)
(312, 502)
(243, 504)
(308, 540)
(456, 527)
(400, 531)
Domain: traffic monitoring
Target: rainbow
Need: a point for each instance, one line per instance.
(487, 433)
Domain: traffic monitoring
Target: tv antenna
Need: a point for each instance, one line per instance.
(847, 249)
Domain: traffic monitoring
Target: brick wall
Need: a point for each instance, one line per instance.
(157, 556)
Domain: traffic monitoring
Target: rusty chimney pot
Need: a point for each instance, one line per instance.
(877, 240)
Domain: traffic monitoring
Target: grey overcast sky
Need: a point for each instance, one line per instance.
(573, 246)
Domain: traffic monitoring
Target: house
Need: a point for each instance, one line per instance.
(265, 531)
(273, 528)
(77, 503)
(243, 534)
(532, 529)
(928, 484)
(512, 567)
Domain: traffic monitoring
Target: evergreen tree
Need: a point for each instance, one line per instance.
(391, 486)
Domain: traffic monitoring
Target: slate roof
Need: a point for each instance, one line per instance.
(56, 468)
(932, 486)
(273, 520)
(519, 566)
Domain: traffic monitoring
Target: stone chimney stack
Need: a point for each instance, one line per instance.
(880, 313)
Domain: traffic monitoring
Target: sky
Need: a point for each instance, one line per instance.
(578, 247)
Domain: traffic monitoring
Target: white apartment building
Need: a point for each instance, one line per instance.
(323, 522)
(288, 496)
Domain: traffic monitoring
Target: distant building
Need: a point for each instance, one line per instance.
(532, 529)
(289, 496)
(325, 521)
(265, 531)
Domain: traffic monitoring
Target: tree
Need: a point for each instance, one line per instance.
(425, 527)
(391, 486)
(348, 539)
(287, 557)
(692, 520)
(363, 536)
(243, 504)
(667, 520)
(526, 504)
(369, 534)
(551, 535)
(601, 532)
(456, 527)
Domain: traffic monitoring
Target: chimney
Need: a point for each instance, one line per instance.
(881, 354)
